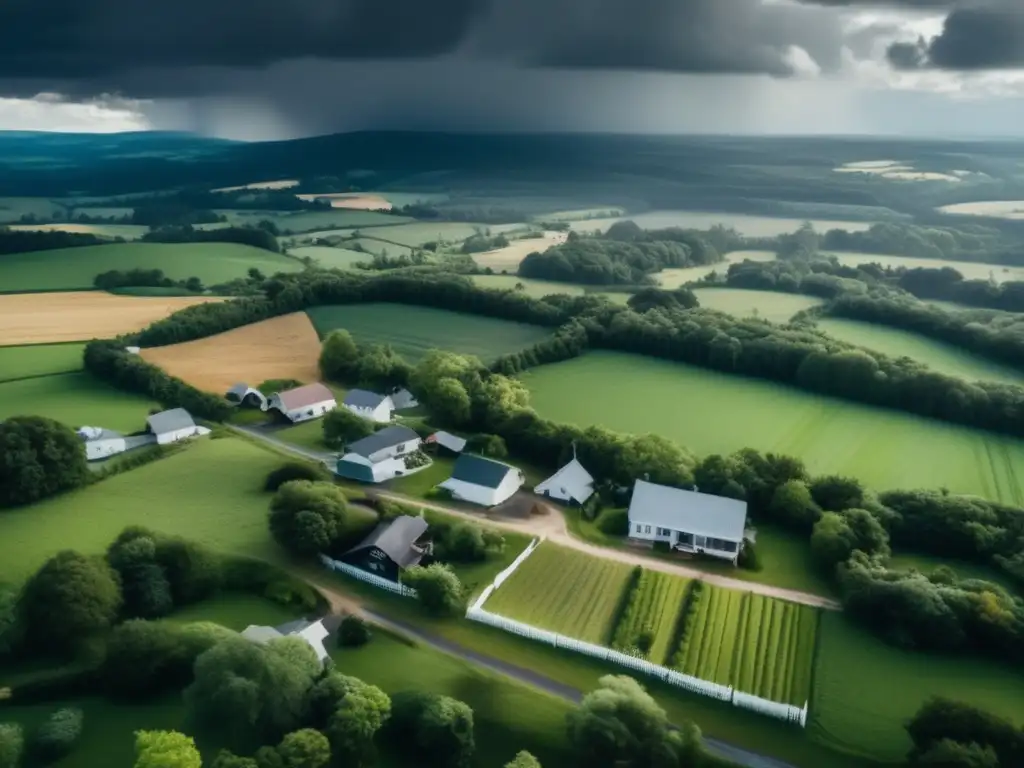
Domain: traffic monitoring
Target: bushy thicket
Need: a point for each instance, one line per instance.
(947, 284)
(954, 734)
(295, 470)
(23, 241)
(257, 237)
(39, 457)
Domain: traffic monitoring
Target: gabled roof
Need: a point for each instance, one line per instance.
(403, 398)
(385, 438)
(239, 390)
(170, 421)
(292, 627)
(362, 398)
(700, 513)
(477, 470)
(577, 483)
(92, 434)
(301, 397)
(449, 441)
(396, 540)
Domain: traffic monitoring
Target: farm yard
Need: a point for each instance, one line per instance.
(71, 268)
(944, 358)
(77, 399)
(39, 360)
(767, 305)
(44, 318)
(564, 591)
(284, 347)
(718, 413)
(414, 331)
(751, 226)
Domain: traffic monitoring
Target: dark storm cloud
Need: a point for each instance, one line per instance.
(975, 38)
(136, 47)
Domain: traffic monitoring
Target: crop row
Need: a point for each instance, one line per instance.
(649, 620)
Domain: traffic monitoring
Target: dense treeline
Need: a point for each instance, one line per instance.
(168, 212)
(950, 734)
(947, 284)
(134, 278)
(21, 241)
(814, 278)
(479, 243)
(257, 237)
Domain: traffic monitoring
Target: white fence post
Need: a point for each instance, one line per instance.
(367, 577)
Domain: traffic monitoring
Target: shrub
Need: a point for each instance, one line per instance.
(295, 470)
(436, 729)
(58, 735)
(613, 522)
(748, 558)
(353, 632)
(438, 588)
(39, 457)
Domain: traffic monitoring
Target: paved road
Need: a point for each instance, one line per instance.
(553, 527)
(341, 602)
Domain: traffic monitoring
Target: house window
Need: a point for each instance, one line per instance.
(664, 532)
(647, 529)
(639, 528)
(400, 449)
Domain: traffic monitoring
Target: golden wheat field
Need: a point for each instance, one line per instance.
(352, 201)
(285, 347)
(41, 318)
(508, 258)
(256, 185)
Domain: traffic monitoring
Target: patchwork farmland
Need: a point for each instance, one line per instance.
(767, 305)
(751, 226)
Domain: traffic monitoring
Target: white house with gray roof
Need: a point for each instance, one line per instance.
(687, 521)
(379, 457)
(369, 405)
(483, 481)
(101, 443)
(571, 484)
(312, 632)
(303, 403)
(172, 426)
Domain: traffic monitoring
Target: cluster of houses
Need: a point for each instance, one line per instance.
(162, 428)
(311, 401)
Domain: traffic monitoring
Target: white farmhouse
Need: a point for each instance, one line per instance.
(313, 632)
(687, 521)
(172, 426)
(369, 405)
(380, 456)
(483, 481)
(571, 484)
(101, 443)
(303, 403)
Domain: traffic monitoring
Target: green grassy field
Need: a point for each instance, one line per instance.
(677, 276)
(77, 267)
(380, 247)
(417, 234)
(564, 591)
(767, 305)
(757, 644)
(77, 399)
(210, 492)
(710, 412)
(330, 258)
(944, 358)
(297, 222)
(536, 288)
(969, 269)
(126, 231)
(654, 610)
(39, 360)
(864, 690)
(751, 226)
(413, 331)
(421, 482)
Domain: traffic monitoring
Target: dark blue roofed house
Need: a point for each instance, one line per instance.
(369, 405)
(483, 481)
(380, 456)
(390, 548)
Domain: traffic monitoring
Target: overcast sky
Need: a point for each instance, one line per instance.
(268, 69)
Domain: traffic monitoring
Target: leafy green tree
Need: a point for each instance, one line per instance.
(835, 493)
(10, 629)
(12, 745)
(355, 722)
(952, 754)
(338, 356)
(353, 632)
(268, 757)
(940, 719)
(619, 725)
(166, 749)
(488, 445)
(792, 504)
(305, 517)
(833, 540)
(437, 729)
(305, 748)
(523, 760)
(39, 457)
(226, 759)
(68, 601)
(463, 542)
(437, 587)
(341, 427)
(295, 470)
(450, 402)
(144, 585)
(193, 570)
(59, 735)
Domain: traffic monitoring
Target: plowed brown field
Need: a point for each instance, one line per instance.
(38, 318)
(282, 348)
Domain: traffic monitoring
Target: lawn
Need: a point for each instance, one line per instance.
(418, 484)
(751, 226)
(944, 358)
(710, 412)
(65, 268)
(39, 360)
(330, 258)
(77, 399)
(413, 331)
(210, 492)
(564, 591)
(768, 305)
(235, 610)
(971, 270)
(538, 289)
(653, 611)
(296, 222)
(864, 690)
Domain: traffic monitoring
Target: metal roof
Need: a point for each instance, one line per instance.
(170, 421)
(572, 480)
(448, 440)
(688, 511)
(478, 470)
(385, 438)
(396, 539)
(304, 396)
(403, 398)
(362, 398)
(354, 471)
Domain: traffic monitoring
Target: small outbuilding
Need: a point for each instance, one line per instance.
(402, 399)
(380, 456)
(390, 548)
(483, 481)
(688, 521)
(243, 395)
(447, 441)
(572, 484)
(172, 426)
(313, 632)
(101, 443)
(303, 403)
(369, 405)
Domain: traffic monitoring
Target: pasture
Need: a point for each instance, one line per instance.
(1000, 209)
(330, 258)
(538, 289)
(76, 399)
(971, 270)
(651, 616)
(751, 226)
(768, 305)
(710, 412)
(415, 235)
(507, 259)
(379, 247)
(864, 689)
(564, 591)
(210, 492)
(126, 231)
(674, 277)
(68, 268)
(414, 331)
(352, 201)
(754, 643)
(39, 360)
(44, 318)
(285, 347)
(297, 222)
(944, 358)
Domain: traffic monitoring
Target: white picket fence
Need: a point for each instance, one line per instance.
(477, 613)
(370, 578)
